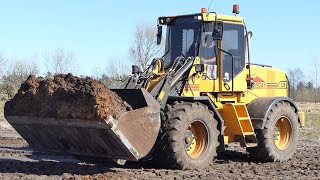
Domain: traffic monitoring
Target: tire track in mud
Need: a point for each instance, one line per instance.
(18, 161)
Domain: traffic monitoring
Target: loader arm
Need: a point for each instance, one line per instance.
(163, 89)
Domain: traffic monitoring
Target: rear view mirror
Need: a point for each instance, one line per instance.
(159, 35)
(136, 70)
(217, 31)
(250, 34)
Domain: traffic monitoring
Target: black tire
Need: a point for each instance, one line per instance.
(272, 144)
(172, 149)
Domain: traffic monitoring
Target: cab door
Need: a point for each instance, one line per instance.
(232, 45)
(209, 58)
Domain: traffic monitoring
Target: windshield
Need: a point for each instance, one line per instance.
(182, 35)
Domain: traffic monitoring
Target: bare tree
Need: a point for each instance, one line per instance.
(295, 77)
(17, 72)
(113, 74)
(2, 64)
(145, 47)
(316, 64)
(60, 61)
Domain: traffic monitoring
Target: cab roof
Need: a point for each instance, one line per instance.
(209, 17)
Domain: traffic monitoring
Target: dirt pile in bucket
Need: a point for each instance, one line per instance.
(65, 96)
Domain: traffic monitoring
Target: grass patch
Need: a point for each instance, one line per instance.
(2, 110)
(1, 107)
(312, 128)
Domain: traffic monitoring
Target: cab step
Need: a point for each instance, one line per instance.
(238, 124)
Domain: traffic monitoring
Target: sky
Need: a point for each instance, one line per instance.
(285, 33)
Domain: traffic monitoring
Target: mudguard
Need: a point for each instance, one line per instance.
(204, 100)
(260, 107)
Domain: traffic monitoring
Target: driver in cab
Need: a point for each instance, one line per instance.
(208, 55)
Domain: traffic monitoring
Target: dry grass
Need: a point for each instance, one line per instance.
(1, 107)
(309, 108)
(1, 111)
(312, 128)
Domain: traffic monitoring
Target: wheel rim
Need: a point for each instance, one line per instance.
(282, 133)
(196, 139)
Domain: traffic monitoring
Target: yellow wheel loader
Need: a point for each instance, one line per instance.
(201, 95)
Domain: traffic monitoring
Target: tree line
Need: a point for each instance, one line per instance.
(16, 70)
(303, 88)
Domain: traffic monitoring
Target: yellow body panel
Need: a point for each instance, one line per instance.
(160, 72)
(224, 18)
(267, 82)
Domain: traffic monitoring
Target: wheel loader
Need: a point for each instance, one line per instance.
(186, 106)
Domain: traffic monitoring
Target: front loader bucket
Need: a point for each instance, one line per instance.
(129, 137)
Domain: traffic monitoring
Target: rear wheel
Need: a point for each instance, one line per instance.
(279, 139)
(188, 138)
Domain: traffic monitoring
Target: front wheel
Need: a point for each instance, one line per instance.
(279, 138)
(188, 138)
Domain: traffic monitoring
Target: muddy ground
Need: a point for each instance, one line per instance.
(18, 161)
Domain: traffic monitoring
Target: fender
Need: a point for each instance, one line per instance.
(204, 100)
(260, 107)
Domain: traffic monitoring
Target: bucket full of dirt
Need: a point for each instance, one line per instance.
(80, 116)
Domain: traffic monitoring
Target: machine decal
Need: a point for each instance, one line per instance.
(261, 84)
(193, 87)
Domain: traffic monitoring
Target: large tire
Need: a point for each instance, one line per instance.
(279, 138)
(188, 137)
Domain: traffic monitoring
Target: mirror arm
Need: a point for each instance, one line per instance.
(217, 33)
(215, 21)
(232, 69)
(159, 34)
(215, 24)
(250, 83)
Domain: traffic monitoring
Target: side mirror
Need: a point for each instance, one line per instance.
(250, 34)
(246, 49)
(217, 31)
(136, 70)
(159, 35)
(199, 68)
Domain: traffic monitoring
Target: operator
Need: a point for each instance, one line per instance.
(208, 55)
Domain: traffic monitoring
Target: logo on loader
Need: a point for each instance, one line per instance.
(261, 84)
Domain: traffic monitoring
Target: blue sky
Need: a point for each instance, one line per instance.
(285, 33)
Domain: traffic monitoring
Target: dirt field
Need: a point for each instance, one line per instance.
(18, 161)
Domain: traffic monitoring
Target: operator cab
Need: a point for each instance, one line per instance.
(182, 38)
(187, 36)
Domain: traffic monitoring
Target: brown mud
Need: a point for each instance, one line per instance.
(65, 97)
(19, 161)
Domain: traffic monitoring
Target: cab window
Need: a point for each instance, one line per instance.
(233, 42)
